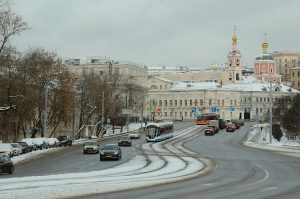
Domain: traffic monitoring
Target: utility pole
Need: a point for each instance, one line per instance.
(270, 110)
(102, 114)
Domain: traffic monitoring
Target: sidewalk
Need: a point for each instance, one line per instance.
(258, 138)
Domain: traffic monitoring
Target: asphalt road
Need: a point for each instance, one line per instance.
(239, 173)
(72, 160)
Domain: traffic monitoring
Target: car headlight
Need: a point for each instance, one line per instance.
(101, 153)
(116, 153)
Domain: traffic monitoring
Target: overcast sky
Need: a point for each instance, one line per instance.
(159, 32)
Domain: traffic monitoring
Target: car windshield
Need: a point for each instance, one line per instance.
(61, 138)
(91, 143)
(22, 143)
(3, 158)
(110, 147)
(14, 145)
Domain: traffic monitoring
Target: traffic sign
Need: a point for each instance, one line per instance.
(214, 109)
(231, 108)
(158, 110)
(194, 110)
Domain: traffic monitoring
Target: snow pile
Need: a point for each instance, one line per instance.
(259, 137)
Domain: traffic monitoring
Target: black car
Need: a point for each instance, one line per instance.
(25, 147)
(64, 140)
(124, 141)
(6, 165)
(110, 151)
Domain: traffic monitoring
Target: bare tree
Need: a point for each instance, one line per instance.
(10, 24)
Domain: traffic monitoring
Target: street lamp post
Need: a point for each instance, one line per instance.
(45, 110)
(270, 110)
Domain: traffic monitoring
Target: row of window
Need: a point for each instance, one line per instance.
(294, 74)
(185, 114)
(190, 102)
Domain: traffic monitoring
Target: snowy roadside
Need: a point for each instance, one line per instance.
(258, 137)
(39, 153)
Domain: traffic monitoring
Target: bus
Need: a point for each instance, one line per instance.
(159, 131)
(203, 119)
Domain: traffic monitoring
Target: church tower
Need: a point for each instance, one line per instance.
(234, 61)
(265, 65)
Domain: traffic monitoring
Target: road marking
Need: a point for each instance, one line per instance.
(267, 189)
(265, 178)
(208, 184)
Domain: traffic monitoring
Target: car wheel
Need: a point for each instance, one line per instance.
(11, 170)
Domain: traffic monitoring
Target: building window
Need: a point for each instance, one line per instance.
(196, 103)
(257, 99)
(231, 102)
(180, 114)
(218, 102)
(171, 114)
(175, 102)
(210, 102)
(160, 102)
(185, 114)
(180, 103)
(234, 102)
(170, 102)
(223, 102)
(185, 102)
(191, 102)
(260, 99)
(166, 102)
(166, 86)
(160, 86)
(166, 114)
(201, 102)
(256, 110)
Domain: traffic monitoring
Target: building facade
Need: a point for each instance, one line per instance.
(295, 78)
(285, 61)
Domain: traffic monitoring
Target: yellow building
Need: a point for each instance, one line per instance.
(295, 78)
(284, 62)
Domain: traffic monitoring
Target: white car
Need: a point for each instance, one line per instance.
(53, 142)
(134, 135)
(6, 149)
(17, 148)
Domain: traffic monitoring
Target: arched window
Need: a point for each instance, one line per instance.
(237, 76)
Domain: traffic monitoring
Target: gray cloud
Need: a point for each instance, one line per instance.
(158, 32)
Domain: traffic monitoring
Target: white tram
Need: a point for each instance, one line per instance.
(159, 131)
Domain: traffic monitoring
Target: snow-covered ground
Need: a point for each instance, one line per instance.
(258, 137)
(164, 162)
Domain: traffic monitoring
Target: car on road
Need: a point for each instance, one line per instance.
(214, 128)
(6, 165)
(91, 147)
(124, 141)
(6, 149)
(134, 135)
(64, 140)
(110, 151)
(230, 127)
(17, 148)
(208, 132)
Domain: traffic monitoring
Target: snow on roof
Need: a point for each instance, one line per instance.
(163, 79)
(251, 84)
